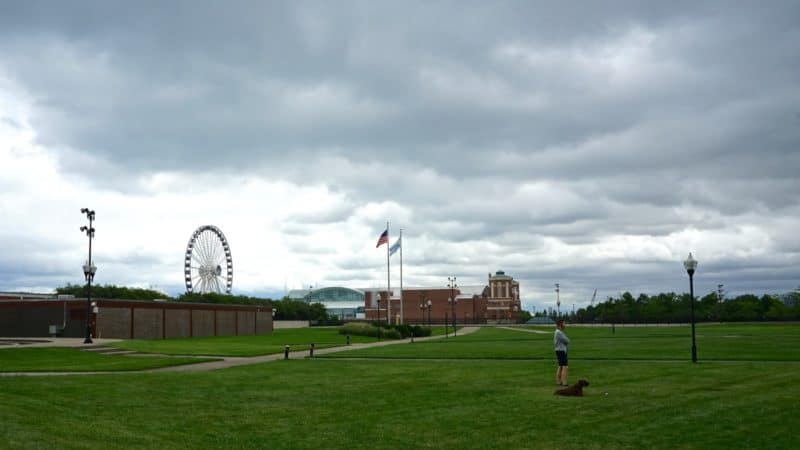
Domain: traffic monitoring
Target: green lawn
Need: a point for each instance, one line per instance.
(75, 360)
(500, 401)
(773, 342)
(297, 339)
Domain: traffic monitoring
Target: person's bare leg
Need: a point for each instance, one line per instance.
(558, 375)
(564, 373)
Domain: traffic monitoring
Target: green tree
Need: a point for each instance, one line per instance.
(110, 291)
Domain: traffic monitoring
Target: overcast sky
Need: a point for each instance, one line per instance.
(591, 146)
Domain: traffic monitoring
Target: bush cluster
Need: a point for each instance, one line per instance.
(383, 330)
(367, 329)
(412, 330)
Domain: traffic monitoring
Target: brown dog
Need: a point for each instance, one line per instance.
(576, 390)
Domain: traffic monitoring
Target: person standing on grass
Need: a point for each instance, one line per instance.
(560, 343)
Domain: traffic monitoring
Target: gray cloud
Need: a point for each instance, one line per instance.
(496, 134)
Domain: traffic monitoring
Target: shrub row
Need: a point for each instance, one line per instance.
(383, 330)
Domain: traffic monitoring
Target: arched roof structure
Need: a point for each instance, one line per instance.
(334, 294)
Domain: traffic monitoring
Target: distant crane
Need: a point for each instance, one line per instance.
(591, 302)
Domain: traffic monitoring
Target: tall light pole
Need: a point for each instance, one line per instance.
(691, 264)
(451, 283)
(558, 300)
(89, 270)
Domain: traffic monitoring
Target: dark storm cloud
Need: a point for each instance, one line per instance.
(468, 123)
(172, 86)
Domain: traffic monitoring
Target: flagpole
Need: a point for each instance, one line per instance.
(401, 276)
(388, 280)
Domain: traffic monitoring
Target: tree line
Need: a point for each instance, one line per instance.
(672, 307)
(285, 309)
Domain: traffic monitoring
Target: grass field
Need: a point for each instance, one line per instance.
(75, 360)
(299, 339)
(714, 342)
(745, 398)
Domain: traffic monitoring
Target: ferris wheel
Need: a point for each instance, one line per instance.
(208, 266)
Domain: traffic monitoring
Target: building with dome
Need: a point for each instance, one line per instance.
(342, 302)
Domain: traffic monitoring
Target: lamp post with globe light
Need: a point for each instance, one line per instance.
(422, 306)
(430, 304)
(691, 264)
(451, 283)
(558, 299)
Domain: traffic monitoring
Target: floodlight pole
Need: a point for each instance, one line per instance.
(88, 271)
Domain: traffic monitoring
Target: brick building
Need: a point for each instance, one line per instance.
(495, 302)
(503, 302)
(129, 319)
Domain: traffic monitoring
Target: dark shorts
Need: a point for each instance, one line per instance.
(562, 358)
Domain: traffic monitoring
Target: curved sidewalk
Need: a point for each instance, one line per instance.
(233, 361)
(241, 361)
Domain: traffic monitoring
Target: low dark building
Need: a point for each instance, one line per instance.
(28, 316)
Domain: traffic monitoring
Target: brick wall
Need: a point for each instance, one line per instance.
(147, 323)
(202, 322)
(246, 322)
(114, 322)
(226, 323)
(264, 322)
(177, 323)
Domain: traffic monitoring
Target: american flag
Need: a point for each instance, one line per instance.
(384, 239)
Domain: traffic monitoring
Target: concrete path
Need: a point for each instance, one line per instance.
(51, 342)
(241, 361)
(226, 361)
(527, 330)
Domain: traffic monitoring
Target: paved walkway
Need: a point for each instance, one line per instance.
(527, 330)
(51, 342)
(225, 362)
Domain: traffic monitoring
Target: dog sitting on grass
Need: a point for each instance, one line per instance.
(576, 390)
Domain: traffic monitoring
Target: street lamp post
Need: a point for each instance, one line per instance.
(451, 283)
(89, 270)
(429, 312)
(558, 300)
(422, 306)
(691, 264)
